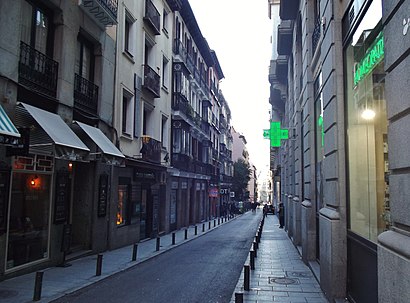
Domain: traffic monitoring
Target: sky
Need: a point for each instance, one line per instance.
(239, 31)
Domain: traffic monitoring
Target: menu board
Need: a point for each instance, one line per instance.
(61, 197)
(102, 195)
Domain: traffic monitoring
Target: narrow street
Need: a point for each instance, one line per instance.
(202, 270)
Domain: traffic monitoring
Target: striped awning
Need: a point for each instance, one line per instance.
(6, 126)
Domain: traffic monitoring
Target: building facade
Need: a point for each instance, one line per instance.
(58, 181)
(341, 174)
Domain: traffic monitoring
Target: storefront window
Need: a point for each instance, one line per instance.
(28, 231)
(367, 128)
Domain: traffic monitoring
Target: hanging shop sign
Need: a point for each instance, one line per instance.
(275, 134)
(61, 195)
(102, 195)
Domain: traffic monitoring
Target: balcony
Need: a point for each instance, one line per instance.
(285, 37)
(152, 82)
(151, 149)
(181, 104)
(181, 161)
(152, 17)
(103, 12)
(183, 55)
(85, 95)
(37, 71)
(288, 9)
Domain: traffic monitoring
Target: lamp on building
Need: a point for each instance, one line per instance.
(368, 114)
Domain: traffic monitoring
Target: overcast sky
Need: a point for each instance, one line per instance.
(239, 31)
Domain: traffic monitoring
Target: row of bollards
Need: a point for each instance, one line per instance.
(39, 275)
(251, 266)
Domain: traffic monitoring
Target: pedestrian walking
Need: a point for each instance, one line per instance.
(281, 212)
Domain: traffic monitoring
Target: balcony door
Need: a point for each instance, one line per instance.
(84, 61)
(35, 27)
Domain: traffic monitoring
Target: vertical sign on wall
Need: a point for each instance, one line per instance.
(102, 195)
(61, 196)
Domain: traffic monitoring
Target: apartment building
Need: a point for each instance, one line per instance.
(197, 107)
(57, 87)
(337, 84)
(142, 119)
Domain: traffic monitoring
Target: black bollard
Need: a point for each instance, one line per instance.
(246, 278)
(134, 252)
(186, 234)
(203, 227)
(196, 230)
(219, 221)
(214, 222)
(238, 297)
(252, 260)
(99, 265)
(209, 225)
(173, 238)
(38, 284)
(255, 248)
(158, 243)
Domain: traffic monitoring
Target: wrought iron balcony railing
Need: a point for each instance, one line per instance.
(151, 149)
(85, 95)
(152, 17)
(37, 71)
(152, 81)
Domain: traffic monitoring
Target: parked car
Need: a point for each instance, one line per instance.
(271, 209)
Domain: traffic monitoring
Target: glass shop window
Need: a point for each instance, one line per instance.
(29, 219)
(367, 128)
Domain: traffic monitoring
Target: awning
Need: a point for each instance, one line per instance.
(105, 148)
(53, 137)
(8, 132)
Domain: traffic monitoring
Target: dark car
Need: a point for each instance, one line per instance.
(271, 209)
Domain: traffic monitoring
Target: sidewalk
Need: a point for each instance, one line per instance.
(280, 275)
(58, 281)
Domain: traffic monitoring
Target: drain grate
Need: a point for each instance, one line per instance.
(282, 280)
(299, 274)
(5, 294)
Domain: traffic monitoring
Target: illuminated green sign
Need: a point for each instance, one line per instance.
(322, 132)
(373, 56)
(275, 134)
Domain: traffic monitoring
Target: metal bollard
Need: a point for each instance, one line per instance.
(134, 252)
(238, 297)
(214, 222)
(186, 234)
(196, 230)
(158, 243)
(38, 285)
(99, 265)
(203, 227)
(219, 221)
(209, 225)
(252, 260)
(173, 238)
(246, 278)
(255, 248)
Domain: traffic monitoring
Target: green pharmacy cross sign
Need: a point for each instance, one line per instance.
(275, 134)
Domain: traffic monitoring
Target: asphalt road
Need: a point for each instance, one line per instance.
(203, 270)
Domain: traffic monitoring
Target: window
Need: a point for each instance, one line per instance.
(129, 34)
(367, 150)
(146, 123)
(165, 21)
(84, 61)
(124, 209)
(35, 27)
(28, 236)
(164, 133)
(127, 110)
(165, 72)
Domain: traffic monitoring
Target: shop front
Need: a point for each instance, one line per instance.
(39, 195)
(367, 147)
